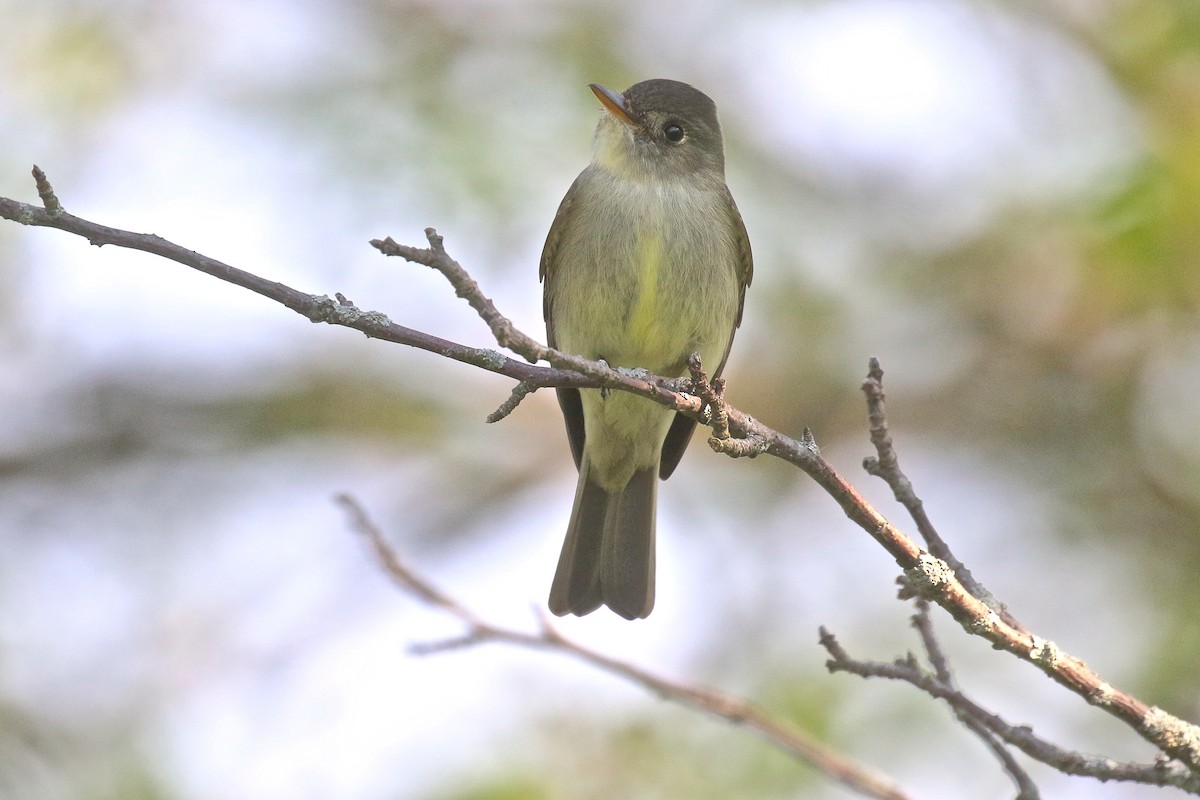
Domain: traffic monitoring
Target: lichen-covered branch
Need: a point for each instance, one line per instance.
(939, 579)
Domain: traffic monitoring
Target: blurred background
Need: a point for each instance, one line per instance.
(998, 199)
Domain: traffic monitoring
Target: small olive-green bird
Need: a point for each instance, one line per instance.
(646, 263)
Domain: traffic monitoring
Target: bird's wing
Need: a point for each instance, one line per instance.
(680, 433)
(568, 399)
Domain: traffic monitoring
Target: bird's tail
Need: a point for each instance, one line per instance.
(608, 555)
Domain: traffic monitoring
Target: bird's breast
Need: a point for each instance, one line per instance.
(647, 277)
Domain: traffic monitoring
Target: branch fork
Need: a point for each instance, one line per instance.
(932, 573)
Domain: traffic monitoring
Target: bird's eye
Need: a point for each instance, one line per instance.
(674, 132)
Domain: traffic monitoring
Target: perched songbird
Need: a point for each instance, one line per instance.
(646, 263)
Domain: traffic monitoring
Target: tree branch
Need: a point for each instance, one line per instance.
(886, 465)
(1026, 789)
(734, 710)
(1163, 772)
(316, 308)
(736, 433)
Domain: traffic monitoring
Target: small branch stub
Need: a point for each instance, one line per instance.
(46, 192)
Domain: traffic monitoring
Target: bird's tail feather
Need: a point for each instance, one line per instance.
(608, 555)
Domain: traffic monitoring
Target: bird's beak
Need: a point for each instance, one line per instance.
(615, 103)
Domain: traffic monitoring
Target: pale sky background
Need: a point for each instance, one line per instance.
(204, 612)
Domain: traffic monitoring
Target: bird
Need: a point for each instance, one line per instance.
(647, 261)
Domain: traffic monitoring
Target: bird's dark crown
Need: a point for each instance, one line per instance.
(671, 97)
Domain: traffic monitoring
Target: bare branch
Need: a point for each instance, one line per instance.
(435, 256)
(316, 308)
(729, 708)
(46, 192)
(1026, 789)
(519, 393)
(407, 580)
(931, 577)
(1164, 772)
(886, 465)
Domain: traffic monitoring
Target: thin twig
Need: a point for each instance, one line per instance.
(46, 192)
(1163, 772)
(931, 576)
(886, 465)
(732, 709)
(519, 393)
(1026, 788)
(436, 257)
